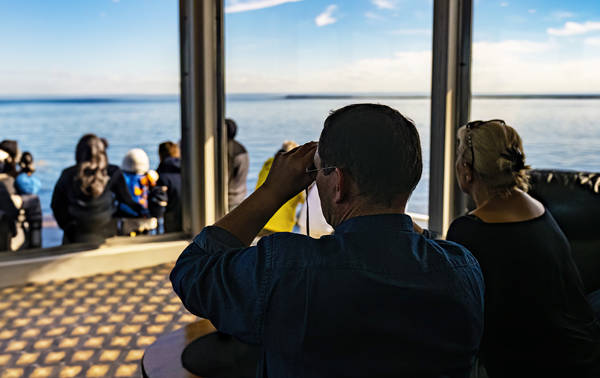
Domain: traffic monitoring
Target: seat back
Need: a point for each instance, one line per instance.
(573, 198)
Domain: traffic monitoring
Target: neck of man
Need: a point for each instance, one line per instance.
(361, 206)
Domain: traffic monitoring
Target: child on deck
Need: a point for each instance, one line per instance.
(139, 179)
(25, 182)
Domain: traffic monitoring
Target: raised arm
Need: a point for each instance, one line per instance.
(286, 179)
(217, 276)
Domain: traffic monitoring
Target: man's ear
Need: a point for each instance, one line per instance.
(342, 186)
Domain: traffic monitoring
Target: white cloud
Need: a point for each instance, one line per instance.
(326, 18)
(504, 4)
(575, 28)
(532, 11)
(384, 4)
(531, 67)
(235, 6)
(592, 42)
(403, 72)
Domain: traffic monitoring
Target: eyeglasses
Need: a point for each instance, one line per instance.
(470, 127)
(326, 170)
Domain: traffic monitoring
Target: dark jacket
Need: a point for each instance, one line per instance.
(87, 219)
(169, 175)
(7, 207)
(238, 163)
(375, 299)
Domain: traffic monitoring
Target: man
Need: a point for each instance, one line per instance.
(374, 299)
(237, 165)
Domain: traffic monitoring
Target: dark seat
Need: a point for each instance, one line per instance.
(573, 198)
(198, 350)
(5, 232)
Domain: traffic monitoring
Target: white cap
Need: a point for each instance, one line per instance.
(136, 161)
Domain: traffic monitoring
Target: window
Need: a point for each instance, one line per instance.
(536, 63)
(69, 68)
(289, 63)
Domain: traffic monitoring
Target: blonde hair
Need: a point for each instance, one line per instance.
(495, 152)
(288, 145)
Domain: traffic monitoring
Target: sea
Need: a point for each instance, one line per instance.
(558, 131)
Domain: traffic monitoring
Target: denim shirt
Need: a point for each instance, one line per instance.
(375, 299)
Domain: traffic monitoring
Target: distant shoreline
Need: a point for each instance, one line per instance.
(110, 99)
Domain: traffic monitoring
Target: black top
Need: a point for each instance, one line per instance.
(169, 175)
(538, 322)
(238, 164)
(87, 219)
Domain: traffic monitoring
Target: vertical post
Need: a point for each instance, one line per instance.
(450, 105)
(202, 109)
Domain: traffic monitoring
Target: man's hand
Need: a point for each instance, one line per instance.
(288, 176)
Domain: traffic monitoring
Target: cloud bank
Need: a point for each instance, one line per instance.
(236, 6)
(575, 28)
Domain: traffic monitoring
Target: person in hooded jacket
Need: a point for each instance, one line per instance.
(169, 176)
(86, 195)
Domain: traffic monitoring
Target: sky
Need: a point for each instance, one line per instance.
(74, 47)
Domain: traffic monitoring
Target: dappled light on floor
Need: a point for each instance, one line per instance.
(95, 326)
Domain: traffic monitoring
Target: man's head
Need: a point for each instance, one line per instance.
(377, 155)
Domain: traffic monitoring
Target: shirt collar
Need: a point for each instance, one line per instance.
(399, 222)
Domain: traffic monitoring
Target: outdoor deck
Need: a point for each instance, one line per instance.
(96, 326)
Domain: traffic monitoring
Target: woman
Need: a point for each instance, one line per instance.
(84, 197)
(538, 322)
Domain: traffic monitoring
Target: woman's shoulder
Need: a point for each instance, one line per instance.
(463, 227)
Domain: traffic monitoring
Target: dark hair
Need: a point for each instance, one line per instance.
(26, 163)
(92, 164)
(377, 146)
(231, 128)
(168, 149)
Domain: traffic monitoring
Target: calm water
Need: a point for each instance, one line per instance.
(557, 133)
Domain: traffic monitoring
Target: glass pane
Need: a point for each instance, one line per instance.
(74, 67)
(289, 63)
(545, 57)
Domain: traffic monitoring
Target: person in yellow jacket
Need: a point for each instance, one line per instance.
(285, 218)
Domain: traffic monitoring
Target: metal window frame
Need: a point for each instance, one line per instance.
(450, 107)
(203, 135)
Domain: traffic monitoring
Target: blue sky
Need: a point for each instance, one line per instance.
(295, 46)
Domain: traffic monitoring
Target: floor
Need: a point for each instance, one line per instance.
(95, 326)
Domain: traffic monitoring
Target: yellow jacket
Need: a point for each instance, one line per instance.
(285, 218)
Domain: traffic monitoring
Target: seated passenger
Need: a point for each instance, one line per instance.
(285, 218)
(26, 183)
(169, 176)
(237, 166)
(83, 201)
(374, 299)
(538, 322)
